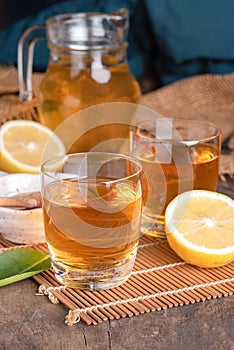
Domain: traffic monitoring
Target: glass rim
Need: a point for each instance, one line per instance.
(44, 172)
(58, 19)
(85, 31)
(217, 131)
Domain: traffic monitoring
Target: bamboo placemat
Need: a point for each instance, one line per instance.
(160, 280)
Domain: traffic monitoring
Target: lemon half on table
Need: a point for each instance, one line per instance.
(200, 228)
(24, 144)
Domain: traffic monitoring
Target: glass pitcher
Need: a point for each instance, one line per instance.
(87, 65)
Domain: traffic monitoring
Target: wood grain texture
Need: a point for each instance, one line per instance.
(29, 324)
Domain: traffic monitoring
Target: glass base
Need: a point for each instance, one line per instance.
(107, 278)
(153, 227)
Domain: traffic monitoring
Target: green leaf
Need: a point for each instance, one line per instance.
(19, 264)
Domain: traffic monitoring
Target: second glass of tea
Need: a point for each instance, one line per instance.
(177, 155)
(92, 212)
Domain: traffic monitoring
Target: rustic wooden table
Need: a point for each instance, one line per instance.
(30, 322)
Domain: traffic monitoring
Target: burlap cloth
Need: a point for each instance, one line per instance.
(204, 97)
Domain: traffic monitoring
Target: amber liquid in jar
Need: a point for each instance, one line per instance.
(69, 87)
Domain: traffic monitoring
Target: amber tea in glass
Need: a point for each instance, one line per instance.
(177, 155)
(92, 212)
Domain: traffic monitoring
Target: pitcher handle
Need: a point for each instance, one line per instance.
(25, 60)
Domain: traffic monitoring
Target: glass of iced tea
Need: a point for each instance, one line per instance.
(92, 210)
(177, 155)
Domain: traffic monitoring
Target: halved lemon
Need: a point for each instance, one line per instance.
(24, 144)
(199, 226)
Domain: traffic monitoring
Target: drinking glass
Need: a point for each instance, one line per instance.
(177, 155)
(92, 212)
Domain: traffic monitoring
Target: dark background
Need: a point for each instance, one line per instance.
(9, 13)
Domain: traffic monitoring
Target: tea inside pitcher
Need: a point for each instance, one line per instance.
(61, 94)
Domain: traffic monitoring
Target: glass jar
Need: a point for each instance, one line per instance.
(87, 66)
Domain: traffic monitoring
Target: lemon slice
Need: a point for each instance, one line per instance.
(24, 144)
(200, 228)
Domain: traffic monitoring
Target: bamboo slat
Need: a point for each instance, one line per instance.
(160, 280)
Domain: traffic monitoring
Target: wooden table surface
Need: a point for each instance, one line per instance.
(30, 322)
